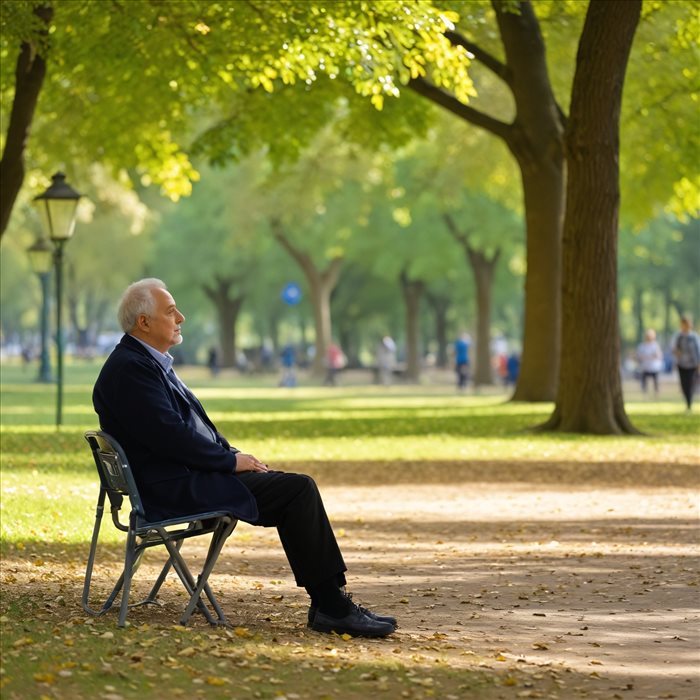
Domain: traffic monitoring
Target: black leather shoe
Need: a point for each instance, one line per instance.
(371, 615)
(355, 623)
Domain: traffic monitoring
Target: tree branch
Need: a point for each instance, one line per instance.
(442, 98)
(484, 57)
(459, 236)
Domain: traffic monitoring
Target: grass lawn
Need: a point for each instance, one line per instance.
(352, 434)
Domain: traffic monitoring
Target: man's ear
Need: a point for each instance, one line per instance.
(142, 323)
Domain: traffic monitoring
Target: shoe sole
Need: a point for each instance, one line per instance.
(331, 629)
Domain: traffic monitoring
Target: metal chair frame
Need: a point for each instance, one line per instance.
(117, 481)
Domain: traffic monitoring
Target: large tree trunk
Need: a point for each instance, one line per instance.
(412, 292)
(590, 399)
(29, 77)
(536, 140)
(321, 285)
(227, 311)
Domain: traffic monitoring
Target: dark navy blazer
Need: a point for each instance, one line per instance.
(153, 422)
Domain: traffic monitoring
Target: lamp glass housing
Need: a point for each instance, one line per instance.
(41, 256)
(57, 208)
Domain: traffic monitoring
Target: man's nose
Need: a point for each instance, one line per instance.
(180, 317)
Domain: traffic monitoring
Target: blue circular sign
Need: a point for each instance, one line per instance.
(291, 294)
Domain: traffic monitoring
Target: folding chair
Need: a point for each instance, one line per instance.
(117, 481)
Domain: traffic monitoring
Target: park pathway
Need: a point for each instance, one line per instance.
(564, 592)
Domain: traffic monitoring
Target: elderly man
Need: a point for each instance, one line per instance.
(182, 463)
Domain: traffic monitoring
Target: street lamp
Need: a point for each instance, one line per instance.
(41, 260)
(57, 207)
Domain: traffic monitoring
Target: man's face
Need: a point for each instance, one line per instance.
(162, 329)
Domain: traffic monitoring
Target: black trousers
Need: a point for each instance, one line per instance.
(290, 502)
(687, 377)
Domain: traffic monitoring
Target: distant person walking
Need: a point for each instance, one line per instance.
(213, 361)
(686, 350)
(335, 361)
(462, 360)
(650, 360)
(386, 359)
(289, 360)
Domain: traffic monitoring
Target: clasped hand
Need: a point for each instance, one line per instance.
(248, 463)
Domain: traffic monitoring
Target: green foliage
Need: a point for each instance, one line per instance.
(660, 143)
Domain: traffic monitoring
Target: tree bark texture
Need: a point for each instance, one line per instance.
(535, 138)
(321, 285)
(412, 291)
(227, 311)
(589, 399)
(29, 77)
(536, 141)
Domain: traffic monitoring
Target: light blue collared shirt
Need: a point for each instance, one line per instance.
(165, 360)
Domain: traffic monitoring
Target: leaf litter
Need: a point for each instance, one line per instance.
(502, 590)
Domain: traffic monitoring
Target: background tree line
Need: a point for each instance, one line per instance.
(218, 82)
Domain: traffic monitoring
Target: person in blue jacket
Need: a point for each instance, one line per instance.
(183, 464)
(462, 360)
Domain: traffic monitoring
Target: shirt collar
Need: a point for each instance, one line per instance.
(165, 360)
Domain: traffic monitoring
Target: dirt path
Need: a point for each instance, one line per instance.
(596, 589)
(539, 590)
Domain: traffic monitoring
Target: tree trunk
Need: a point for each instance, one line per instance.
(484, 269)
(536, 140)
(412, 291)
(227, 311)
(29, 77)
(321, 285)
(589, 399)
(544, 211)
(440, 305)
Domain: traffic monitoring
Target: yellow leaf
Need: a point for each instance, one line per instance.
(215, 680)
(23, 642)
(44, 678)
(242, 632)
(378, 102)
(187, 651)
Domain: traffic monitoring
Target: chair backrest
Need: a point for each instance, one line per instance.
(114, 470)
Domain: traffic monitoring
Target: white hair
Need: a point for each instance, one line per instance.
(136, 300)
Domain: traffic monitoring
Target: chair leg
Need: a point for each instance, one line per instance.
(151, 598)
(91, 556)
(219, 537)
(87, 584)
(188, 581)
(131, 561)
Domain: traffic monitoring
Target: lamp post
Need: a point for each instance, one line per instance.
(41, 260)
(57, 207)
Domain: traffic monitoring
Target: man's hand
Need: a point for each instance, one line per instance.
(248, 463)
